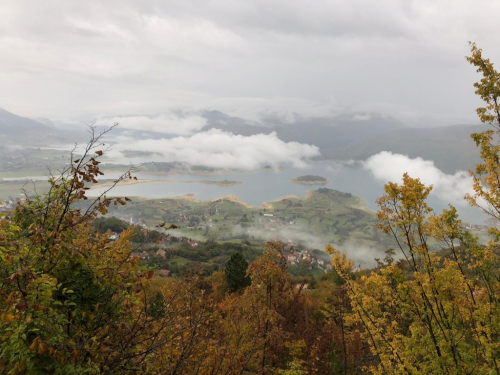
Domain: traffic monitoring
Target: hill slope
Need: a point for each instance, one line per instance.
(24, 131)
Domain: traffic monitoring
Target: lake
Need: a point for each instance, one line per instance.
(265, 185)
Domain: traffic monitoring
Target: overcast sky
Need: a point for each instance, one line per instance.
(64, 59)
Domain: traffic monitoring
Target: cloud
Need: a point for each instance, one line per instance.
(222, 150)
(360, 253)
(168, 123)
(145, 56)
(357, 250)
(362, 117)
(286, 109)
(295, 233)
(387, 166)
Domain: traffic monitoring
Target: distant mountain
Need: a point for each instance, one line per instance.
(450, 147)
(324, 132)
(15, 129)
(339, 138)
(44, 121)
(12, 125)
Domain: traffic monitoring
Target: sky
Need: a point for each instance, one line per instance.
(74, 60)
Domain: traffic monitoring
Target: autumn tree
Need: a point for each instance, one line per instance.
(436, 313)
(71, 300)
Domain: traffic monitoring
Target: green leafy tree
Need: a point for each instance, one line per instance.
(236, 272)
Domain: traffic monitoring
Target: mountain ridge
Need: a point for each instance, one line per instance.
(340, 138)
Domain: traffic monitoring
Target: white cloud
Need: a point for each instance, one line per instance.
(387, 166)
(168, 123)
(224, 150)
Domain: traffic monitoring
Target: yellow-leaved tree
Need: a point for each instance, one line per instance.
(436, 312)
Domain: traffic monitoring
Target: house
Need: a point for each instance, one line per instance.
(321, 262)
(164, 273)
(113, 236)
(161, 253)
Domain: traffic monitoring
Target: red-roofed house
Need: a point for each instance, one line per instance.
(164, 273)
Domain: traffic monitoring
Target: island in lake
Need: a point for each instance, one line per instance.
(310, 180)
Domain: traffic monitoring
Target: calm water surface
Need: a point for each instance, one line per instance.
(263, 186)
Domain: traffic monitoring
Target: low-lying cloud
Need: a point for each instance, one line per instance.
(222, 150)
(358, 251)
(167, 123)
(387, 166)
(283, 108)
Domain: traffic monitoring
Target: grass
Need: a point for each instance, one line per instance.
(180, 261)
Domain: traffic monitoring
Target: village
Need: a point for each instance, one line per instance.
(165, 250)
(9, 204)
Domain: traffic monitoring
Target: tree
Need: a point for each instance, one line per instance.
(74, 302)
(236, 272)
(436, 313)
(102, 225)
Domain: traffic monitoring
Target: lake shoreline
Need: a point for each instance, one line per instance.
(134, 182)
